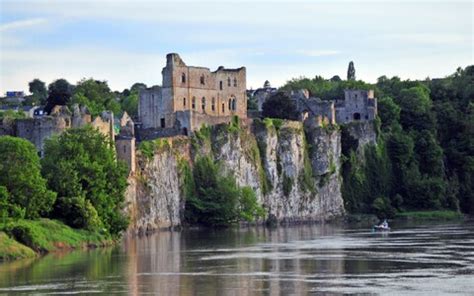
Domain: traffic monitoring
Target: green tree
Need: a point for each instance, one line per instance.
(96, 95)
(389, 112)
(38, 90)
(80, 165)
(59, 93)
(279, 106)
(216, 200)
(351, 72)
(20, 174)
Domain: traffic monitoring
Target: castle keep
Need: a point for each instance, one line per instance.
(192, 96)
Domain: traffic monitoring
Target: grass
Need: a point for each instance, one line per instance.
(43, 236)
(11, 249)
(430, 215)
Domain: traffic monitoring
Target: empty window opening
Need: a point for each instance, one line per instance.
(185, 131)
(184, 102)
(213, 104)
(356, 116)
(162, 123)
(193, 103)
(202, 80)
(220, 85)
(223, 108)
(183, 78)
(235, 82)
(203, 105)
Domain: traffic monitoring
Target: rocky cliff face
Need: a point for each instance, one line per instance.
(294, 172)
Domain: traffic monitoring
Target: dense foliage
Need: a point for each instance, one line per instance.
(214, 199)
(96, 95)
(279, 105)
(80, 166)
(59, 93)
(23, 192)
(424, 158)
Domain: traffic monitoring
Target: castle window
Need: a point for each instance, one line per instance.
(203, 104)
(356, 116)
(124, 149)
(228, 81)
(184, 102)
(230, 104)
(233, 104)
(235, 82)
(183, 78)
(223, 108)
(193, 103)
(220, 85)
(162, 123)
(213, 104)
(202, 80)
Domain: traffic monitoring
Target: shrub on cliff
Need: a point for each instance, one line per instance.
(80, 166)
(217, 200)
(279, 105)
(24, 189)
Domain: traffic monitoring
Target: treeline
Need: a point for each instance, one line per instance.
(424, 158)
(79, 181)
(94, 94)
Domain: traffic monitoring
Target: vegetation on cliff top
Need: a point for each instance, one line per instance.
(424, 156)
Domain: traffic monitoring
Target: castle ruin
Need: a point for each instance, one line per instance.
(192, 96)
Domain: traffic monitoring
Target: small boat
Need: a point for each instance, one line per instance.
(380, 228)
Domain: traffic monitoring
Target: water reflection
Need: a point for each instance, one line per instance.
(299, 260)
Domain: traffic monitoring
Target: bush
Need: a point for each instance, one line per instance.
(216, 200)
(382, 208)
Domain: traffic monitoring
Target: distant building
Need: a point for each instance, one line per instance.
(192, 96)
(14, 97)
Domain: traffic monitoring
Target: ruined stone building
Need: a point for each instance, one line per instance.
(39, 128)
(358, 105)
(192, 96)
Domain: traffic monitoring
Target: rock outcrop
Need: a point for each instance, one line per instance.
(294, 172)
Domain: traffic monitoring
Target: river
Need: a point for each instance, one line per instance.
(413, 259)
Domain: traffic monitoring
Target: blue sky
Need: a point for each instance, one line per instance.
(126, 41)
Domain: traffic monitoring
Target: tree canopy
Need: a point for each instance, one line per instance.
(80, 166)
(59, 93)
(279, 105)
(20, 176)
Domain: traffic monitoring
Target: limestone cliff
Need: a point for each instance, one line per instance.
(294, 172)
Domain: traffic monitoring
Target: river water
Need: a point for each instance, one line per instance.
(413, 259)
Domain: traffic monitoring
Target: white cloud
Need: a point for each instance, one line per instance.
(22, 24)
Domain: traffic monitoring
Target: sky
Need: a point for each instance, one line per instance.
(124, 42)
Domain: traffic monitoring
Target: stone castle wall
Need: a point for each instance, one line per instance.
(197, 90)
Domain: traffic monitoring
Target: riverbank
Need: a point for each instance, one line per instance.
(430, 215)
(30, 238)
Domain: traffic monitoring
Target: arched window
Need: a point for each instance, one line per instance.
(230, 104)
(233, 104)
(228, 81)
(223, 108)
(220, 85)
(183, 78)
(235, 82)
(184, 102)
(202, 80)
(203, 105)
(193, 103)
(213, 104)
